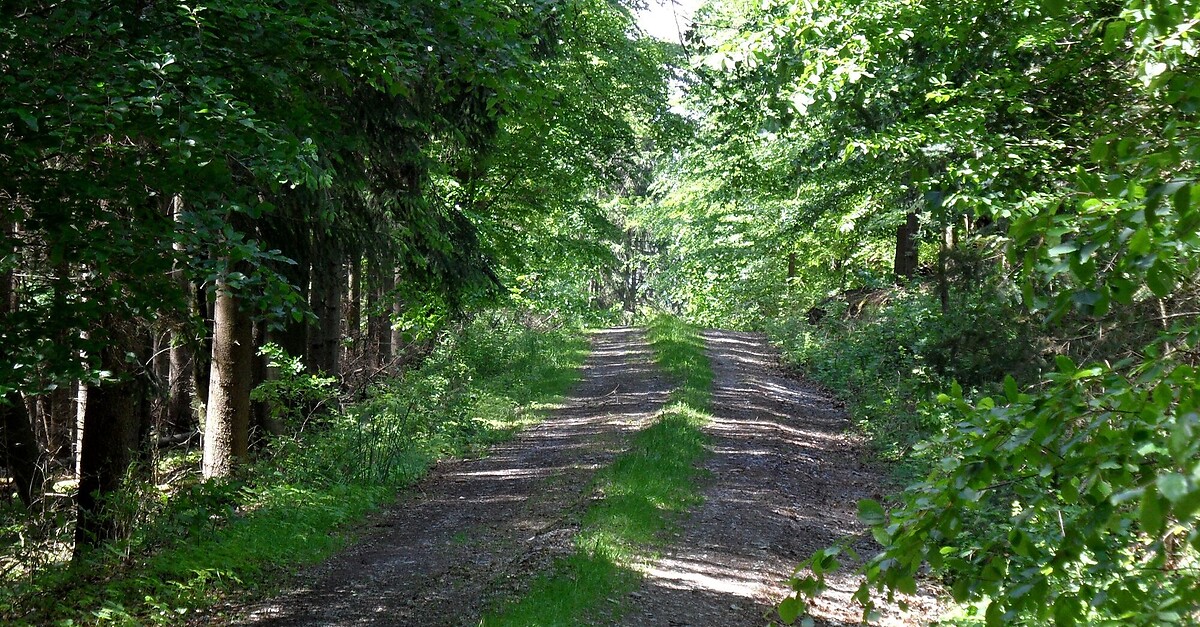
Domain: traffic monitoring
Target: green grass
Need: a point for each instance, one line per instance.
(644, 490)
(207, 541)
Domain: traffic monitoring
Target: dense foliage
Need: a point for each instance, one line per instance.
(198, 540)
(227, 222)
(978, 221)
(1023, 173)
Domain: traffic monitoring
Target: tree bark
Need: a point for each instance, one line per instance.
(260, 414)
(227, 422)
(905, 265)
(181, 381)
(354, 306)
(397, 338)
(379, 327)
(328, 281)
(180, 385)
(943, 279)
(202, 358)
(109, 439)
(21, 452)
(18, 442)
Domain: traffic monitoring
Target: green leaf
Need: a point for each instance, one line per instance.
(1152, 514)
(1173, 486)
(871, 513)
(790, 609)
(1160, 280)
(28, 119)
(1139, 244)
(1062, 249)
(1010, 388)
(1114, 34)
(1066, 611)
(1181, 201)
(994, 616)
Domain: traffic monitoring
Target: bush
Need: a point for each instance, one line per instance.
(889, 361)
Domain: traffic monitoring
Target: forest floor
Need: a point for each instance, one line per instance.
(783, 479)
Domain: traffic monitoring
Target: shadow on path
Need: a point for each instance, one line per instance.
(785, 482)
(476, 528)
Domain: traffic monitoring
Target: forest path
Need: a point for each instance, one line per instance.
(476, 527)
(784, 477)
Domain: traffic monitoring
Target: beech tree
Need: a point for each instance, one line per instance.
(235, 173)
(1045, 146)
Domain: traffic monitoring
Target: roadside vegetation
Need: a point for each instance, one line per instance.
(196, 543)
(264, 242)
(642, 493)
(977, 224)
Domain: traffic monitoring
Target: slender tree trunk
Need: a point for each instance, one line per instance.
(18, 442)
(110, 438)
(202, 358)
(181, 380)
(943, 281)
(905, 265)
(162, 382)
(328, 280)
(62, 415)
(260, 414)
(354, 307)
(21, 452)
(379, 326)
(227, 423)
(397, 340)
(81, 402)
(293, 337)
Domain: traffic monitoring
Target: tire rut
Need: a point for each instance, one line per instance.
(785, 478)
(478, 529)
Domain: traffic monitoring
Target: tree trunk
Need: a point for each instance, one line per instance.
(905, 265)
(328, 281)
(943, 280)
(379, 327)
(57, 411)
(81, 398)
(227, 423)
(18, 441)
(162, 381)
(62, 415)
(109, 440)
(354, 307)
(202, 358)
(260, 414)
(21, 452)
(397, 338)
(180, 382)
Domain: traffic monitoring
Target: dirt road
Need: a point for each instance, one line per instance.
(784, 480)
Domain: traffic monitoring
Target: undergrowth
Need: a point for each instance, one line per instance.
(204, 541)
(888, 362)
(644, 490)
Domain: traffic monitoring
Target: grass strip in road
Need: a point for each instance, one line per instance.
(643, 490)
